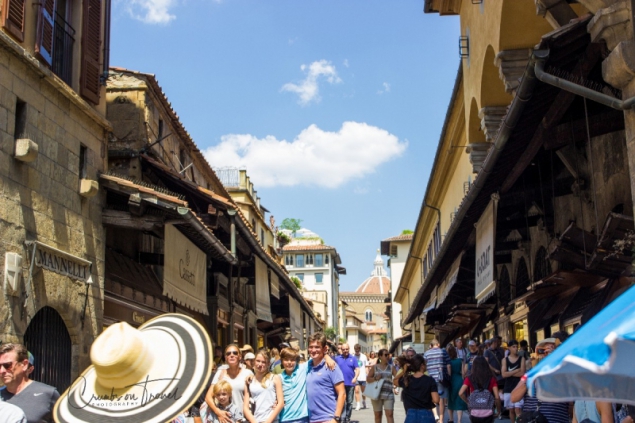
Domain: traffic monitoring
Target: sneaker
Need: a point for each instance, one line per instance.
(357, 407)
(364, 404)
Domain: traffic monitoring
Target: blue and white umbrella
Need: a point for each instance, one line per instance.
(596, 363)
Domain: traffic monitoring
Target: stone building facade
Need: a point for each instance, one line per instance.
(53, 135)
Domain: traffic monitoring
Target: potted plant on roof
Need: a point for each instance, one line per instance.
(283, 239)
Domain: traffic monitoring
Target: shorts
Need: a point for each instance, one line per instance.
(443, 391)
(414, 415)
(302, 420)
(507, 399)
(361, 382)
(386, 404)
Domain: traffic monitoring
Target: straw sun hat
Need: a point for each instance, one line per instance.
(150, 374)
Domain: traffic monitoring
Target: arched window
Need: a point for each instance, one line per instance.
(542, 265)
(48, 340)
(369, 316)
(504, 287)
(522, 277)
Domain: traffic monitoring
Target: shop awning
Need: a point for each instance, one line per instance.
(450, 280)
(263, 304)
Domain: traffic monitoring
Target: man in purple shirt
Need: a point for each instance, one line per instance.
(325, 389)
(350, 370)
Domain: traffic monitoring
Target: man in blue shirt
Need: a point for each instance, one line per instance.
(350, 370)
(325, 389)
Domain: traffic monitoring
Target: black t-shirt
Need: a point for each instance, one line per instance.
(512, 381)
(418, 393)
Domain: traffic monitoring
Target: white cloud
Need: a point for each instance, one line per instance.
(309, 90)
(386, 88)
(315, 157)
(293, 40)
(345, 63)
(151, 11)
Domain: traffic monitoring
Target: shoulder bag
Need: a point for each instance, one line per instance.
(373, 389)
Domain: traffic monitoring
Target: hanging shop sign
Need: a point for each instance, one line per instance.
(295, 317)
(485, 285)
(185, 271)
(60, 262)
(263, 305)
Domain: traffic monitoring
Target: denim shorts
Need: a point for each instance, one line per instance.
(418, 415)
(442, 390)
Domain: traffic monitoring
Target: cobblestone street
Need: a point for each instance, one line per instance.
(367, 416)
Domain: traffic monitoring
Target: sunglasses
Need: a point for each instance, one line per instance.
(232, 353)
(9, 365)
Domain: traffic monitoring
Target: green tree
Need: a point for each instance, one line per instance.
(291, 224)
(330, 333)
(297, 282)
(407, 232)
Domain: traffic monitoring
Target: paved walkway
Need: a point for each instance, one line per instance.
(367, 415)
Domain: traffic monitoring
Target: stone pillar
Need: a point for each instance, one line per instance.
(511, 66)
(557, 12)
(612, 24)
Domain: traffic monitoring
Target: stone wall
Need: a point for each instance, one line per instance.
(40, 200)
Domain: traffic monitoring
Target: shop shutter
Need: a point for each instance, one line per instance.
(91, 44)
(45, 28)
(13, 18)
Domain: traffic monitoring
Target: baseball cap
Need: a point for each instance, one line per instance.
(284, 345)
(250, 356)
(31, 358)
(472, 342)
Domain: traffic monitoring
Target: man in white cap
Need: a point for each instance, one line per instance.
(9, 413)
(34, 398)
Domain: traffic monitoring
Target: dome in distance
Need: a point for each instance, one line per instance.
(378, 282)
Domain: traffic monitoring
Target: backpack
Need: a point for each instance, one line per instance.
(480, 399)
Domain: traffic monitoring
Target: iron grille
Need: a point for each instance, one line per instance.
(504, 288)
(542, 266)
(48, 340)
(64, 36)
(464, 46)
(522, 278)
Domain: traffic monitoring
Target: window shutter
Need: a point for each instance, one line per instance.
(13, 18)
(91, 44)
(45, 27)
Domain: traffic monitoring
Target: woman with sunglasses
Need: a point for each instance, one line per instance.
(386, 401)
(237, 377)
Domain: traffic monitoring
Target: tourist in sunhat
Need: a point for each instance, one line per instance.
(149, 375)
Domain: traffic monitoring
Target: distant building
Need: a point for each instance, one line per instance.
(318, 267)
(397, 248)
(366, 321)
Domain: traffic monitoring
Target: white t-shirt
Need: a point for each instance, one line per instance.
(362, 362)
(238, 386)
(10, 413)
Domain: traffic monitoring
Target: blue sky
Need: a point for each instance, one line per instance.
(333, 107)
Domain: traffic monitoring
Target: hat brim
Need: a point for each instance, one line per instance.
(546, 341)
(179, 374)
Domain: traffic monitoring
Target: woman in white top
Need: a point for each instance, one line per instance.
(264, 391)
(236, 376)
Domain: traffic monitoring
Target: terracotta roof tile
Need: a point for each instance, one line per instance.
(402, 237)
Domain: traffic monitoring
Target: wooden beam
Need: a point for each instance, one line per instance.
(553, 116)
(122, 219)
(599, 124)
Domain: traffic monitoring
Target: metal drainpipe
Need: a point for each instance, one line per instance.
(547, 78)
(232, 230)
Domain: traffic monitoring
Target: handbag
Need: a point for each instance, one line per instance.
(373, 389)
(447, 380)
(532, 416)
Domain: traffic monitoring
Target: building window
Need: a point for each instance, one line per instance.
(83, 161)
(326, 258)
(393, 251)
(288, 260)
(319, 277)
(262, 237)
(319, 262)
(369, 316)
(309, 259)
(299, 260)
(19, 126)
(300, 276)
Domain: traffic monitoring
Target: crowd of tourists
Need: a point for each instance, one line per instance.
(281, 385)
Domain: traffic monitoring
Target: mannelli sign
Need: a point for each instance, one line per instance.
(61, 262)
(185, 271)
(485, 237)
